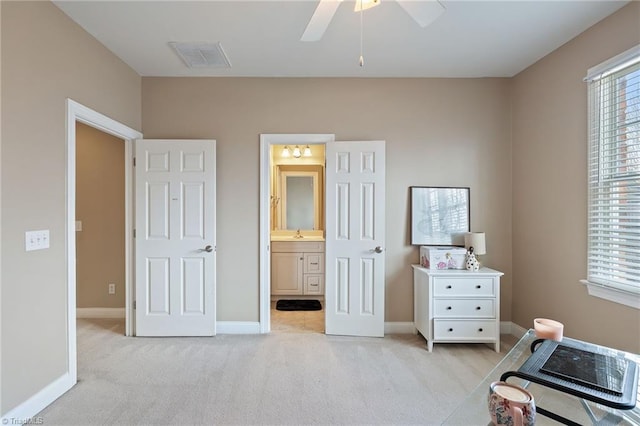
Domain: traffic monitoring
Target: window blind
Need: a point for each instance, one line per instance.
(614, 175)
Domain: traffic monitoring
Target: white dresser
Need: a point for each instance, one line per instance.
(457, 306)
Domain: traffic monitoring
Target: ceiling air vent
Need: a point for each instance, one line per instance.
(202, 55)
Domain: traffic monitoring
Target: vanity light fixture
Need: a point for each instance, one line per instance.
(285, 151)
(296, 152)
(307, 151)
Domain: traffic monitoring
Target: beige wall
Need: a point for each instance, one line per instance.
(46, 58)
(550, 188)
(441, 132)
(100, 197)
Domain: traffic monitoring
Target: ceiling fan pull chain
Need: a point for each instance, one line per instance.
(361, 62)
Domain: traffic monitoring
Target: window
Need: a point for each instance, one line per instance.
(613, 264)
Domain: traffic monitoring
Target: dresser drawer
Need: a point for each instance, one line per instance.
(469, 308)
(464, 329)
(476, 286)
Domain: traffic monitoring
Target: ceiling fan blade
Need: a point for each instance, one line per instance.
(423, 12)
(320, 20)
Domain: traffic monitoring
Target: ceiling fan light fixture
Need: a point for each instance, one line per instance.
(365, 4)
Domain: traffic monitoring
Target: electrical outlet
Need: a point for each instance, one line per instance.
(112, 288)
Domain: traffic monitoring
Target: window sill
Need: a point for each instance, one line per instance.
(613, 294)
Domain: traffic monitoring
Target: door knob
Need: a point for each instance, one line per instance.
(208, 249)
(378, 249)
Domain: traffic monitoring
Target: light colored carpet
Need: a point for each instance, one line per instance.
(281, 378)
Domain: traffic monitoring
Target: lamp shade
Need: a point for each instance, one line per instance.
(475, 240)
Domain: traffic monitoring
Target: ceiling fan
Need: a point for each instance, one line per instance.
(423, 12)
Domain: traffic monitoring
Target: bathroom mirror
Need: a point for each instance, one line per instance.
(299, 197)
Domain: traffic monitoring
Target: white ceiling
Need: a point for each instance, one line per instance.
(262, 38)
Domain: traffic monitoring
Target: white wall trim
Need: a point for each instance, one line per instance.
(390, 327)
(238, 327)
(80, 113)
(398, 327)
(612, 294)
(32, 406)
(100, 313)
(508, 327)
(266, 140)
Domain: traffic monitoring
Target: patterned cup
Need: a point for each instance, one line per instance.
(511, 405)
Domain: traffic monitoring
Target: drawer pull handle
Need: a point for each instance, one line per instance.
(451, 329)
(480, 330)
(478, 308)
(478, 286)
(448, 286)
(314, 285)
(448, 308)
(314, 263)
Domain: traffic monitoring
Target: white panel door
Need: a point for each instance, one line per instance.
(175, 237)
(355, 182)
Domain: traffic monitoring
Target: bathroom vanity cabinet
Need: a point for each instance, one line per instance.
(297, 268)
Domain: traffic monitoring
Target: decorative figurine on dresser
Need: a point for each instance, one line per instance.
(475, 244)
(472, 262)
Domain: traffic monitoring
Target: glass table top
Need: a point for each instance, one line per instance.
(473, 410)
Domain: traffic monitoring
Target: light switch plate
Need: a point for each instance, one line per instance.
(36, 240)
(78, 225)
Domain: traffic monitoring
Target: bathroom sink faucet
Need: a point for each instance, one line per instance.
(298, 235)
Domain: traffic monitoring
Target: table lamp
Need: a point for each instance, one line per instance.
(476, 241)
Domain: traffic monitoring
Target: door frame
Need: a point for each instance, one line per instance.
(77, 112)
(266, 140)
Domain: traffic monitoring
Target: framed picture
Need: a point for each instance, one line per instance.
(440, 216)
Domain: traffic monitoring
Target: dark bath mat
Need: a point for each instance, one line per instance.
(298, 305)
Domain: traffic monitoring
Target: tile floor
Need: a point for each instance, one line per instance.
(297, 321)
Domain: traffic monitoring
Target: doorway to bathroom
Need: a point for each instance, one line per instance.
(348, 255)
(292, 230)
(297, 238)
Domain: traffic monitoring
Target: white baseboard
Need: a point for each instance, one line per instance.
(100, 313)
(517, 331)
(398, 327)
(392, 327)
(237, 327)
(24, 412)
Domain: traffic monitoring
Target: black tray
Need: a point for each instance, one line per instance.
(607, 377)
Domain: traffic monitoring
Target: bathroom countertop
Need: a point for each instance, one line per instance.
(291, 238)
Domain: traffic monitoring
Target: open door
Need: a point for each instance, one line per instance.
(355, 220)
(175, 237)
